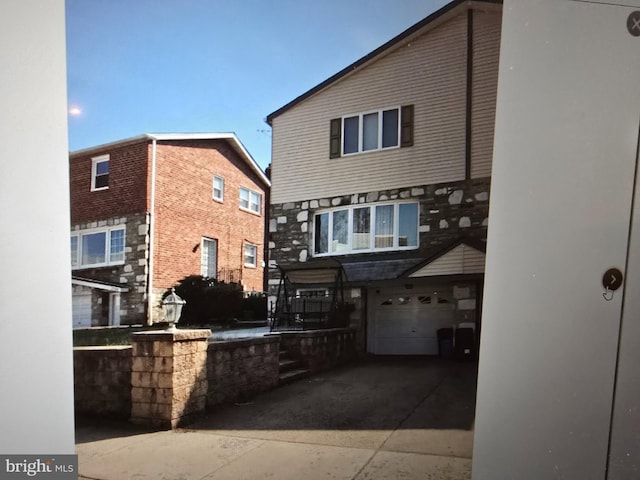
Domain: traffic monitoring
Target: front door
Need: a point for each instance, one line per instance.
(114, 309)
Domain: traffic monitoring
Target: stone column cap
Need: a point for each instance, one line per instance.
(172, 335)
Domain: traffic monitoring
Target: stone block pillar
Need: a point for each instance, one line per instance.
(168, 377)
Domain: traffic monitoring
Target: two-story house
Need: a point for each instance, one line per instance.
(385, 167)
(148, 211)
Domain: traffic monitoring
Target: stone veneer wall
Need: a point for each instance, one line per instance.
(105, 377)
(238, 369)
(102, 383)
(166, 382)
(448, 211)
(132, 274)
(168, 376)
(320, 349)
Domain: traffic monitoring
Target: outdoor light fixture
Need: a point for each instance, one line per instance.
(172, 308)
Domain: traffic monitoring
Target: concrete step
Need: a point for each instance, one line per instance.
(292, 375)
(288, 364)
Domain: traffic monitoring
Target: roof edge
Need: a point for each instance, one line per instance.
(370, 56)
(470, 242)
(230, 137)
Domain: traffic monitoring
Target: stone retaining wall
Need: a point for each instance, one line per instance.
(168, 377)
(320, 349)
(238, 369)
(102, 380)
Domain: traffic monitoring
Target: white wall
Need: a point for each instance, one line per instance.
(36, 392)
(565, 159)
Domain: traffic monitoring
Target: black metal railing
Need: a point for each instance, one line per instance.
(308, 313)
(229, 275)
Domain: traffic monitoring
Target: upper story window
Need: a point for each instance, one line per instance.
(366, 228)
(100, 173)
(250, 200)
(370, 131)
(218, 188)
(250, 255)
(97, 248)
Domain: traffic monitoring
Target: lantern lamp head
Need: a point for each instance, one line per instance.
(172, 308)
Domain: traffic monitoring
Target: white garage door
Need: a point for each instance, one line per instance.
(81, 305)
(406, 321)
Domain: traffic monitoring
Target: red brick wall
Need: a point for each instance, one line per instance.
(128, 187)
(186, 211)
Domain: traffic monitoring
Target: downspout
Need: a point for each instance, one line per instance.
(151, 222)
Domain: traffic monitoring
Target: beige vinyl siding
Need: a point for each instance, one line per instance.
(430, 73)
(463, 259)
(486, 51)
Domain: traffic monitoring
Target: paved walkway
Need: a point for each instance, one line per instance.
(389, 418)
(239, 333)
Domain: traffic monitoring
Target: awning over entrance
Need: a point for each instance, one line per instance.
(376, 270)
(316, 272)
(462, 257)
(99, 285)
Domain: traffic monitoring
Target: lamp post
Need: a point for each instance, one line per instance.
(172, 308)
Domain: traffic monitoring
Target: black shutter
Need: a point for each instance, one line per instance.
(406, 129)
(335, 138)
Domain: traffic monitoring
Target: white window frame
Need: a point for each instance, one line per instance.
(94, 171)
(253, 198)
(372, 223)
(361, 131)
(255, 255)
(204, 267)
(74, 251)
(219, 198)
(76, 263)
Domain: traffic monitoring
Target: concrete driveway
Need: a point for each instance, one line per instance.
(383, 418)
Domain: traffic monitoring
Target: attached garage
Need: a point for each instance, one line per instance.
(81, 308)
(443, 291)
(107, 302)
(405, 322)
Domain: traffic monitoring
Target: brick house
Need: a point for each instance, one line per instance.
(385, 167)
(150, 210)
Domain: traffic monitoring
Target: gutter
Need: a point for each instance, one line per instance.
(151, 223)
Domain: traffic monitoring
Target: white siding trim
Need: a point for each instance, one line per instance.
(463, 259)
(429, 72)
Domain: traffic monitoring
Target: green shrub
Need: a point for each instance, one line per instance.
(254, 307)
(209, 301)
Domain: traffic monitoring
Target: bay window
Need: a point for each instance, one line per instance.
(389, 226)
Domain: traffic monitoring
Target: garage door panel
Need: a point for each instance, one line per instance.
(406, 346)
(406, 323)
(81, 310)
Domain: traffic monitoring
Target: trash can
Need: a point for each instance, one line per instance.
(445, 342)
(465, 344)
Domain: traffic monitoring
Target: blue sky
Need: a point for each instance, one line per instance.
(156, 66)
